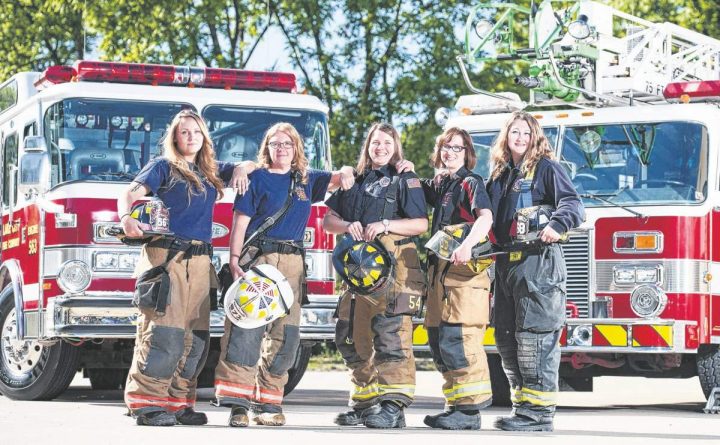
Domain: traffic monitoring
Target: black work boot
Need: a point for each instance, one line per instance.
(519, 422)
(188, 416)
(156, 418)
(239, 416)
(357, 416)
(459, 420)
(391, 415)
(431, 420)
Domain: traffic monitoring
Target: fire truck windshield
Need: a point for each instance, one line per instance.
(238, 131)
(637, 163)
(109, 140)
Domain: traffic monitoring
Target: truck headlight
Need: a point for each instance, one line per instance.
(648, 301)
(650, 275)
(624, 275)
(115, 262)
(74, 277)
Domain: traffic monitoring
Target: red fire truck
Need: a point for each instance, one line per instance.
(72, 138)
(632, 109)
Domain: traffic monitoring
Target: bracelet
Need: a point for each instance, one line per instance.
(121, 218)
(234, 255)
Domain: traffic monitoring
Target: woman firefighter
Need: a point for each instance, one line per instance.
(458, 299)
(177, 279)
(379, 264)
(271, 217)
(534, 203)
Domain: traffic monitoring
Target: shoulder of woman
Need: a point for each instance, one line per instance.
(411, 179)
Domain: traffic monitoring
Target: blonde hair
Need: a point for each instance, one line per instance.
(364, 162)
(445, 138)
(538, 148)
(204, 159)
(299, 161)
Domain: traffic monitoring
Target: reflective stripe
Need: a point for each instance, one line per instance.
(229, 389)
(407, 390)
(269, 396)
(178, 404)
(478, 388)
(516, 395)
(136, 401)
(539, 398)
(365, 392)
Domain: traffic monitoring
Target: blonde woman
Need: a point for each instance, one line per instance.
(172, 341)
(530, 284)
(254, 363)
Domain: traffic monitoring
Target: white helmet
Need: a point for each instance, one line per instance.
(263, 295)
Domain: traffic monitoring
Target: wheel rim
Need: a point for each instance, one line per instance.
(19, 357)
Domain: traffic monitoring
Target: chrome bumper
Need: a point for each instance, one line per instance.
(112, 315)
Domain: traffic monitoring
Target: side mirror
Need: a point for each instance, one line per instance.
(34, 144)
(34, 174)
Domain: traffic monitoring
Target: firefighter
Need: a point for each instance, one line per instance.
(374, 332)
(458, 299)
(271, 217)
(529, 309)
(173, 330)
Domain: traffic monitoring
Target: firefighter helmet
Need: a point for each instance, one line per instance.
(528, 222)
(153, 216)
(366, 267)
(260, 297)
(447, 240)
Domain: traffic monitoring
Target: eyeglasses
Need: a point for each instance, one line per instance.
(455, 148)
(286, 145)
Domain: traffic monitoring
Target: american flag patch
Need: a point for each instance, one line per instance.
(413, 183)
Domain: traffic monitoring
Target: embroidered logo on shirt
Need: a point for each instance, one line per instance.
(516, 186)
(300, 193)
(413, 183)
(447, 197)
(384, 182)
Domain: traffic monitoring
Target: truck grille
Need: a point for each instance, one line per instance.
(577, 260)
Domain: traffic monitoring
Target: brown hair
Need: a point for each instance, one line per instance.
(204, 159)
(364, 162)
(445, 138)
(299, 161)
(538, 148)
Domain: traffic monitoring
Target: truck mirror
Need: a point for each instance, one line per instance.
(34, 144)
(34, 174)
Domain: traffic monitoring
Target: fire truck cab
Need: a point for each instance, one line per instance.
(631, 108)
(72, 138)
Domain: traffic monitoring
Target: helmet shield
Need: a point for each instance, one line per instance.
(260, 297)
(528, 222)
(153, 216)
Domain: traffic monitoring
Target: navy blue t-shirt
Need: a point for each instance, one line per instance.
(189, 219)
(267, 194)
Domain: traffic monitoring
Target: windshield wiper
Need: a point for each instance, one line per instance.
(614, 204)
(123, 175)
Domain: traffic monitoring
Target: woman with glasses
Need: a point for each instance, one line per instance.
(172, 339)
(458, 299)
(254, 363)
(374, 332)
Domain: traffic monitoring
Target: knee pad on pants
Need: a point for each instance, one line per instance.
(166, 348)
(347, 350)
(434, 343)
(197, 355)
(244, 345)
(285, 356)
(452, 349)
(388, 344)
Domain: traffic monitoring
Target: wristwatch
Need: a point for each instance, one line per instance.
(386, 223)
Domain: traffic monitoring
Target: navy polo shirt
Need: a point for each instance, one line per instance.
(190, 219)
(456, 198)
(365, 201)
(551, 186)
(267, 195)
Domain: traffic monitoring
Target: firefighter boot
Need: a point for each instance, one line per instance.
(356, 416)
(522, 423)
(431, 421)
(238, 416)
(268, 414)
(156, 418)
(391, 415)
(188, 416)
(459, 420)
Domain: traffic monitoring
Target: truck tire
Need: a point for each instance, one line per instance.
(107, 378)
(29, 370)
(708, 367)
(498, 381)
(297, 371)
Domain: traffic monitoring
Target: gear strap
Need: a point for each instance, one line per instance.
(391, 198)
(349, 338)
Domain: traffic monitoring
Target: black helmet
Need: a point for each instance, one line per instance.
(154, 219)
(528, 222)
(366, 267)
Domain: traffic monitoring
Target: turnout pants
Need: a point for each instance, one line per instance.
(254, 363)
(529, 313)
(170, 349)
(457, 315)
(374, 333)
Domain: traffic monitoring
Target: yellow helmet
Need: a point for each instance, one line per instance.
(260, 297)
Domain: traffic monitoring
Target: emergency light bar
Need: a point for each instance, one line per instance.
(168, 75)
(687, 91)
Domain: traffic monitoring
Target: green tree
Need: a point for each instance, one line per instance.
(37, 33)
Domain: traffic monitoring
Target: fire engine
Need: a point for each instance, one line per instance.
(631, 107)
(72, 137)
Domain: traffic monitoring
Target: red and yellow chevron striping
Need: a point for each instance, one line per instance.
(652, 335)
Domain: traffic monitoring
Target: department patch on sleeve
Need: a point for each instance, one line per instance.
(413, 183)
